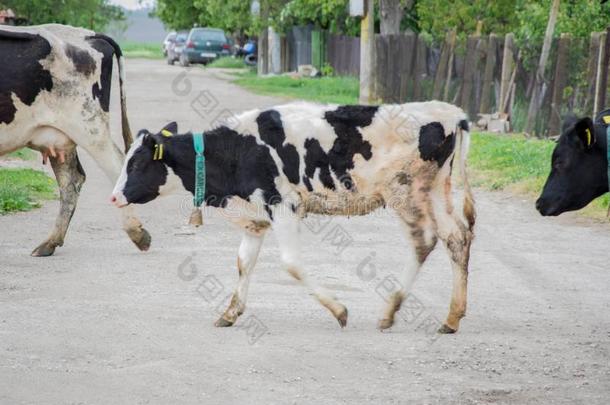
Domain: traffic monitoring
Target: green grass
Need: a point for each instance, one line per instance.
(141, 50)
(24, 189)
(339, 90)
(228, 63)
(23, 154)
(517, 164)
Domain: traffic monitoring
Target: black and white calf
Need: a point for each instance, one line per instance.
(281, 164)
(55, 85)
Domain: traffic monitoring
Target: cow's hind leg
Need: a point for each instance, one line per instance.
(457, 237)
(286, 229)
(108, 156)
(246, 259)
(419, 225)
(70, 178)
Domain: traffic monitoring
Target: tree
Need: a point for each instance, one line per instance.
(390, 14)
(437, 17)
(180, 14)
(92, 14)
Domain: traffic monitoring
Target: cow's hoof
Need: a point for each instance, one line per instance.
(384, 324)
(140, 237)
(44, 250)
(446, 330)
(223, 323)
(342, 318)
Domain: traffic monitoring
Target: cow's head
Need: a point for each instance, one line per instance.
(145, 174)
(579, 168)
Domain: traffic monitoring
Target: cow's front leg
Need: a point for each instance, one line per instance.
(70, 178)
(286, 229)
(249, 248)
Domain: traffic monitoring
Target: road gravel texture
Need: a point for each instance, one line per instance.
(101, 323)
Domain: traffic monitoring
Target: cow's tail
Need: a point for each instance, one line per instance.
(463, 145)
(118, 53)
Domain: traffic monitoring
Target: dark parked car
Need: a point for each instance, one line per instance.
(203, 45)
(175, 48)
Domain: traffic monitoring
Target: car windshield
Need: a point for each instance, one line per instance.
(181, 38)
(208, 35)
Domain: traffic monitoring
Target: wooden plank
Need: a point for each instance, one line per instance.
(407, 56)
(420, 69)
(591, 71)
(441, 69)
(559, 84)
(508, 64)
(394, 68)
(490, 64)
(449, 66)
(469, 72)
(604, 61)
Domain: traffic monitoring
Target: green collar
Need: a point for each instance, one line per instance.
(199, 146)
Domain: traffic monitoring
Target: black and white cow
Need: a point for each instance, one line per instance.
(579, 166)
(278, 165)
(55, 85)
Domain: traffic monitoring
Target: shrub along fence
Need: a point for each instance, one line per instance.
(484, 75)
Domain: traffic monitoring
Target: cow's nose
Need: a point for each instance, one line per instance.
(113, 199)
(539, 204)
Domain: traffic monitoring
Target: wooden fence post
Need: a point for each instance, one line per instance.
(441, 69)
(469, 71)
(490, 63)
(407, 56)
(592, 71)
(602, 72)
(535, 100)
(508, 63)
(420, 69)
(559, 84)
(449, 66)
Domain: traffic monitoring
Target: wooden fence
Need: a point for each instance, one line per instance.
(482, 74)
(490, 74)
(343, 54)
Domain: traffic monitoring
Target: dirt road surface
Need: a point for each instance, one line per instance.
(101, 323)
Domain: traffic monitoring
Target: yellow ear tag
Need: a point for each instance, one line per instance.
(166, 133)
(588, 137)
(158, 155)
(606, 119)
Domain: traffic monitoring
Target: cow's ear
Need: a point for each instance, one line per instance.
(170, 129)
(584, 132)
(148, 141)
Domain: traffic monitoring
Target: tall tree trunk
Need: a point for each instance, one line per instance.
(391, 12)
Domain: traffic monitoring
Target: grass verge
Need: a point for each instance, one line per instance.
(519, 165)
(141, 50)
(228, 62)
(339, 90)
(24, 189)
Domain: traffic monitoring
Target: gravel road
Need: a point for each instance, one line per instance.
(101, 323)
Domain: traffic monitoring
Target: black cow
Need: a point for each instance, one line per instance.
(55, 85)
(579, 171)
